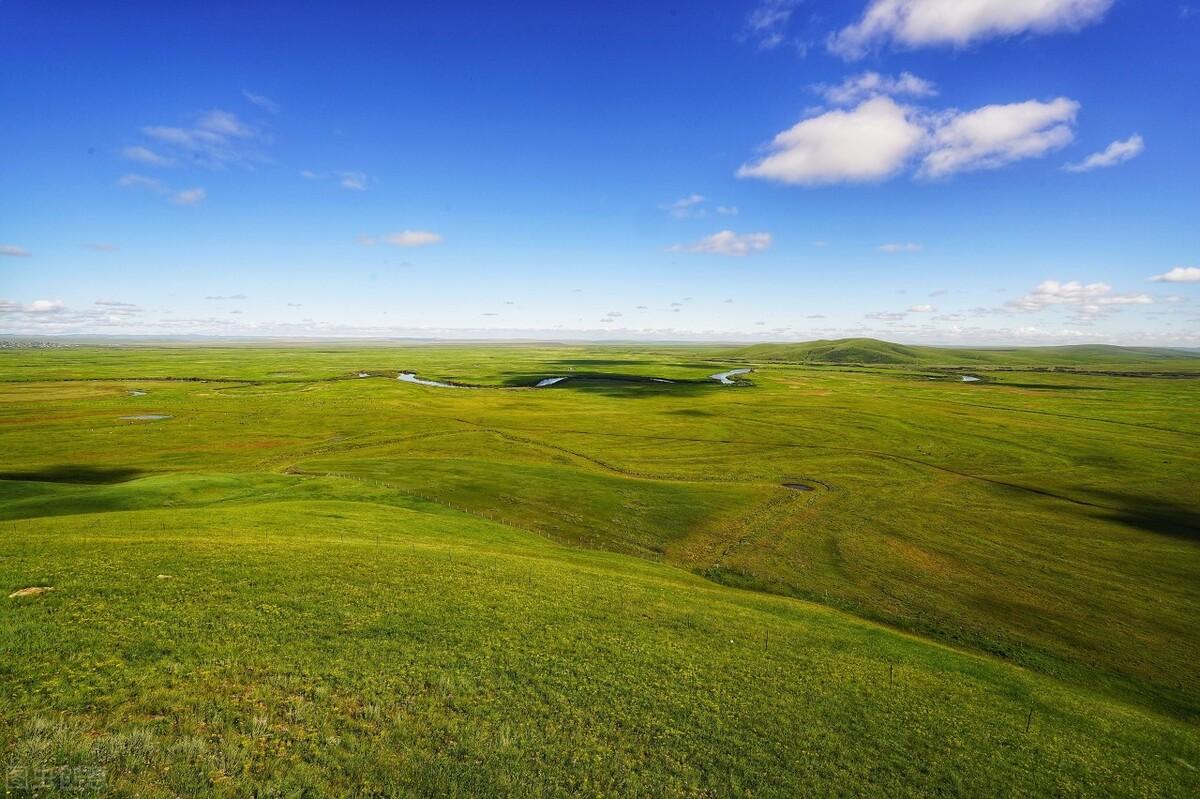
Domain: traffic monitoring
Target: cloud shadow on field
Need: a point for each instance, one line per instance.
(1153, 515)
(75, 473)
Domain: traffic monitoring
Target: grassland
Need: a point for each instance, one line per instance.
(306, 582)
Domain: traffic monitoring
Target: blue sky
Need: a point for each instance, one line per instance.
(976, 171)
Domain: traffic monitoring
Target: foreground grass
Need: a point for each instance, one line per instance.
(336, 648)
(372, 586)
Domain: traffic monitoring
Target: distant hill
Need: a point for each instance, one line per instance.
(874, 351)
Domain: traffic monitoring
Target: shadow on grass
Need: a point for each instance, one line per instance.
(75, 473)
(623, 385)
(1154, 515)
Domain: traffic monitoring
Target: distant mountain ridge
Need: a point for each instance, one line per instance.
(874, 351)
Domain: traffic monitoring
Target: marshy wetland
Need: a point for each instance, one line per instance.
(287, 579)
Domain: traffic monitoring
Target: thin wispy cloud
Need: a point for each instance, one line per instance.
(102, 247)
(14, 251)
(348, 179)
(189, 196)
(1116, 153)
(766, 26)
(686, 207)
(900, 247)
(134, 181)
(959, 23)
(887, 316)
(727, 242)
(218, 138)
(404, 238)
(262, 101)
(144, 155)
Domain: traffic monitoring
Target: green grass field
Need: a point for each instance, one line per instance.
(851, 573)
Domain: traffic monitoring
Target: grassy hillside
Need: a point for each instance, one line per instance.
(873, 351)
(611, 586)
(335, 647)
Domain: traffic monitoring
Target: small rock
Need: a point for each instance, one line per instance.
(36, 590)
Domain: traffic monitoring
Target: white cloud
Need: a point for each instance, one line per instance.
(189, 196)
(1091, 299)
(726, 242)
(413, 238)
(922, 309)
(145, 155)
(887, 316)
(917, 23)
(767, 24)
(857, 88)
(1180, 274)
(355, 181)
(225, 123)
(869, 143)
(263, 102)
(727, 210)
(45, 307)
(217, 139)
(15, 251)
(100, 246)
(686, 206)
(140, 181)
(185, 197)
(1116, 153)
(995, 135)
(900, 247)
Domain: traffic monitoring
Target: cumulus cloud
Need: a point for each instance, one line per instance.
(958, 23)
(53, 316)
(922, 309)
(1090, 299)
(996, 135)
(726, 242)
(14, 251)
(1116, 153)
(189, 196)
(900, 247)
(412, 238)
(868, 143)
(145, 155)
(727, 210)
(857, 88)
(1180, 274)
(45, 307)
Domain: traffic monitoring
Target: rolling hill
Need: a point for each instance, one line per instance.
(874, 351)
